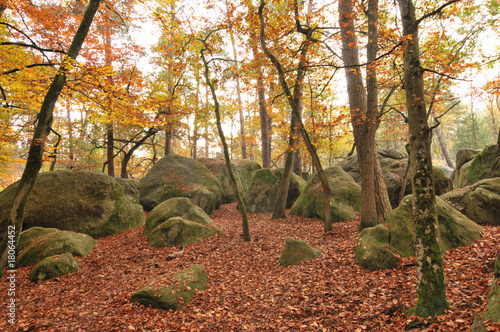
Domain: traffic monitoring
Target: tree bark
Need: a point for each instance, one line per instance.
(130, 153)
(239, 199)
(42, 130)
(430, 275)
(110, 141)
(362, 117)
(294, 99)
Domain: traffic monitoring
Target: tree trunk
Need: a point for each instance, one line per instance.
(444, 149)
(239, 199)
(430, 275)
(363, 128)
(42, 130)
(130, 153)
(294, 99)
(110, 155)
(240, 103)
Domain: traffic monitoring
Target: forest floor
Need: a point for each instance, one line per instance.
(247, 288)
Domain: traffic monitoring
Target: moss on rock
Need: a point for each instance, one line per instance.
(54, 266)
(177, 176)
(38, 243)
(373, 249)
(296, 251)
(345, 199)
(177, 231)
(86, 202)
(484, 165)
(454, 229)
(174, 290)
(175, 207)
(263, 190)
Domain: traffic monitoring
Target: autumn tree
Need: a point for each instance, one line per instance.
(430, 275)
(42, 131)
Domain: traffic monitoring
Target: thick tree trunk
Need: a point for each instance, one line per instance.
(430, 275)
(363, 128)
(239, 199)
(42, 130)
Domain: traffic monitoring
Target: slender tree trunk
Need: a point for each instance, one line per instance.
(42, 130)
(240, 103)
(130, 153)
(239, 199)
(294, 102)
(54, 154)
(70, 136)
(444, 149)
(430, 275)
(110, 141)
(297, 160)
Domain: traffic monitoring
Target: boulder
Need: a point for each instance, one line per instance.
(175, 207)
(296, 251)
(373, 250)
(263, 190)
(393, 164)
(492, 313)
(455, 229)
(243, 170)
(480, 202)
(177, 231)
(86, 202)
(484, 165)
(173, 290)
(177, 176)
(37, 243)
(345, 198)
(54, 266)
(447, 170)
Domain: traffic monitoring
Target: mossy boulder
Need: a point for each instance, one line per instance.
(454, 229)
(37, 243)
(177, 176)
(175, 207)
(173, 290)
(480, 202)
(484, 165)
(85, 202)
(243, 170)
(393, 164)
(177, 231)
(345, 198)
(492, 313)
(373, 250)
(263, 190)
(54, 266)
(296, 251)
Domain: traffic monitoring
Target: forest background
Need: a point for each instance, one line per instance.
(137, 90)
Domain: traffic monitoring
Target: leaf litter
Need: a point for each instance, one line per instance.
(247, 288)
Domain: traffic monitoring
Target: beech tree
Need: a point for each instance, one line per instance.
(430, 274)
(42, 131)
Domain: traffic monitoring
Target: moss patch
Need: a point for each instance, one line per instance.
(54, 266)
(373, 249)
(296, 251)
(177, 231)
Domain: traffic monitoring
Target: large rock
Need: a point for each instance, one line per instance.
(393, 164)
(345, 198)
(484, 165)
(263, 190)
(296, 251)
(54, 266)
(86, 202)
(177, 231)
(480, 202)
(492, 313)
(176, 222)
(455, 229)
(463, 156)
(243, 170)
(177, 176)
(37, 243)
(174, 290)
(175, 207)
(373, 250)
